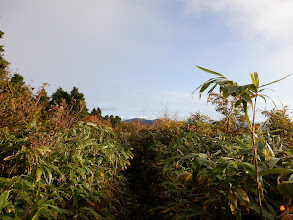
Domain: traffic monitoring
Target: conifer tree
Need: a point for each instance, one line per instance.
(74, 99)
(97, 112)
(106, 117)
(78, 102)
(17, 81)
(3, 63)
(60, 95)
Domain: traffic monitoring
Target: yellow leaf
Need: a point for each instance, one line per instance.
(189, 176)
(233, 202)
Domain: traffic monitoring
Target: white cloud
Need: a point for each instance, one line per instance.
(268, 19)
(264, 30)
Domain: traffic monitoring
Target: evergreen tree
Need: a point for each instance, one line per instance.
(17, 82)
(44, 98)
(115, 120)
(60, 95)
(74, 99)
(3, 63)
(78, 102)
(17, 79)
(106, 117)
(97, 112)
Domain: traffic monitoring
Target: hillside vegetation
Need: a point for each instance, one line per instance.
(58, 161)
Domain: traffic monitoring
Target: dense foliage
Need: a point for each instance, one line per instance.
(53, 165)
(57, 161)
(195, 174)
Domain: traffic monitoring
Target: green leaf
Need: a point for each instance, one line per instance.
(91, 212)
(38, 213)
(7, 217)
(228, 90)
(25, 197)
(246, 97)
(233, 202)
(276, 171)
(246, 114)
(55, 168)
(241, 194)
(250, 169)
(43, 149)
(212, 79)
(212, 89)
(212, 72)
(3, 199)
(252, 79)
(48, 174)
(205, 86)
(286, 189)
(38, 174)
(29, 184)
(256, 80)
(219, 169)
(265, 213)
(263, 96)
(34, 123)
(238, 214)
(273, 162)
(271, 209)
(239, 101)
(275, 81)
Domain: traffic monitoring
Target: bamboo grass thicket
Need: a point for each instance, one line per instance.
(247, 96)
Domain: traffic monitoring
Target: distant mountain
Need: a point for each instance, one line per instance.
(141, 120)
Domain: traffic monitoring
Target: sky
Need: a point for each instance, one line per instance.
(136, 58)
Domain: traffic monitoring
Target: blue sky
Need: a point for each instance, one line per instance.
(136, 58)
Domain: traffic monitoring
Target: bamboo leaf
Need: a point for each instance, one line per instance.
(212, 89)
(48, 174)
(265, 213)
(244, 103)
(263, 96)
(227, 91)
(239, 101)
(29, 184)
(219, 169)
(3, 199)
(256, 79)
(241, 194)
(252, 79)
(273, 162)
(204, 87)
(282, 171)
(246, 97)
(233, 202)
(38, 213)
(286, 189)
(38, 174)
(275, 81)
(250, 169)
(212, 72)
(212, 79)
(26, 198)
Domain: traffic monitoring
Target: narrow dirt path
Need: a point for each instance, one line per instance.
(142, 177)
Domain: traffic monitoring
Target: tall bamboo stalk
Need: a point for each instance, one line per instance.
(255, 145)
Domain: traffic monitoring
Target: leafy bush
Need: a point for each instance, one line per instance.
(220, 182)
(54, 167)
